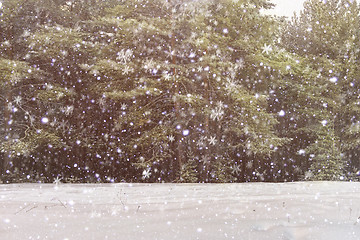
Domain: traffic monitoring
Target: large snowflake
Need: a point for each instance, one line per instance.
(124, 55)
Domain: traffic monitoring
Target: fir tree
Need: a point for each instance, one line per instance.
(40, 49)
(184, 73)
(324, 34)
(20, 80)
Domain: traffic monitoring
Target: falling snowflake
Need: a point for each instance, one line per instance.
(200, 143)
(149, 64)
(167, 77)
(126, 70)
(220, 104)
(186, 132)
(18, 100)
(230, 86)
(333, 79)
(205, 159)
(68, 110)
(102, 101)
(57, 180)
(146, 174)
(171, 138)
(212, 140)
(266, 49)
(249, 164)
(199, 41)
(239, 64)
(217, 113)
(9, 106)
(192, 55)
(301, 152)
(236, 169)
(297, 170)
(281, 113)
(124, 55)
(308, 175)
(123, 106)
(44, 120)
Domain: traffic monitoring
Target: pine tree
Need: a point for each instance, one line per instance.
(188, 171)
(186, 78)
(19, 81)
(194, 91)
(324, 35)
(20, 134)
(40, 47)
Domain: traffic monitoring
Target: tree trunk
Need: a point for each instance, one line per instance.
(7, 111)
(206, 166)
(179, 145)
(7, 117)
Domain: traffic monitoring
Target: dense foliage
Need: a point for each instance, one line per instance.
(185, 91)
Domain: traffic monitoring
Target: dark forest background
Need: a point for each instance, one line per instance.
(178, 91)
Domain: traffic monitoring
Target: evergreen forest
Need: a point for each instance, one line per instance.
(178, 91)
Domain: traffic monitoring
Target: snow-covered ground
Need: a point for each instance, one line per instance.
(303, 210)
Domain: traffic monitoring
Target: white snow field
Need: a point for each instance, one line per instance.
(254, 211)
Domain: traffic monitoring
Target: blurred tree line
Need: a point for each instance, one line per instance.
(178, 91)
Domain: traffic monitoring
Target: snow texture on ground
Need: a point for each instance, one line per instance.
(303, 210)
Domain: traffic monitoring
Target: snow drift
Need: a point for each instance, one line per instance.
(302, 210)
